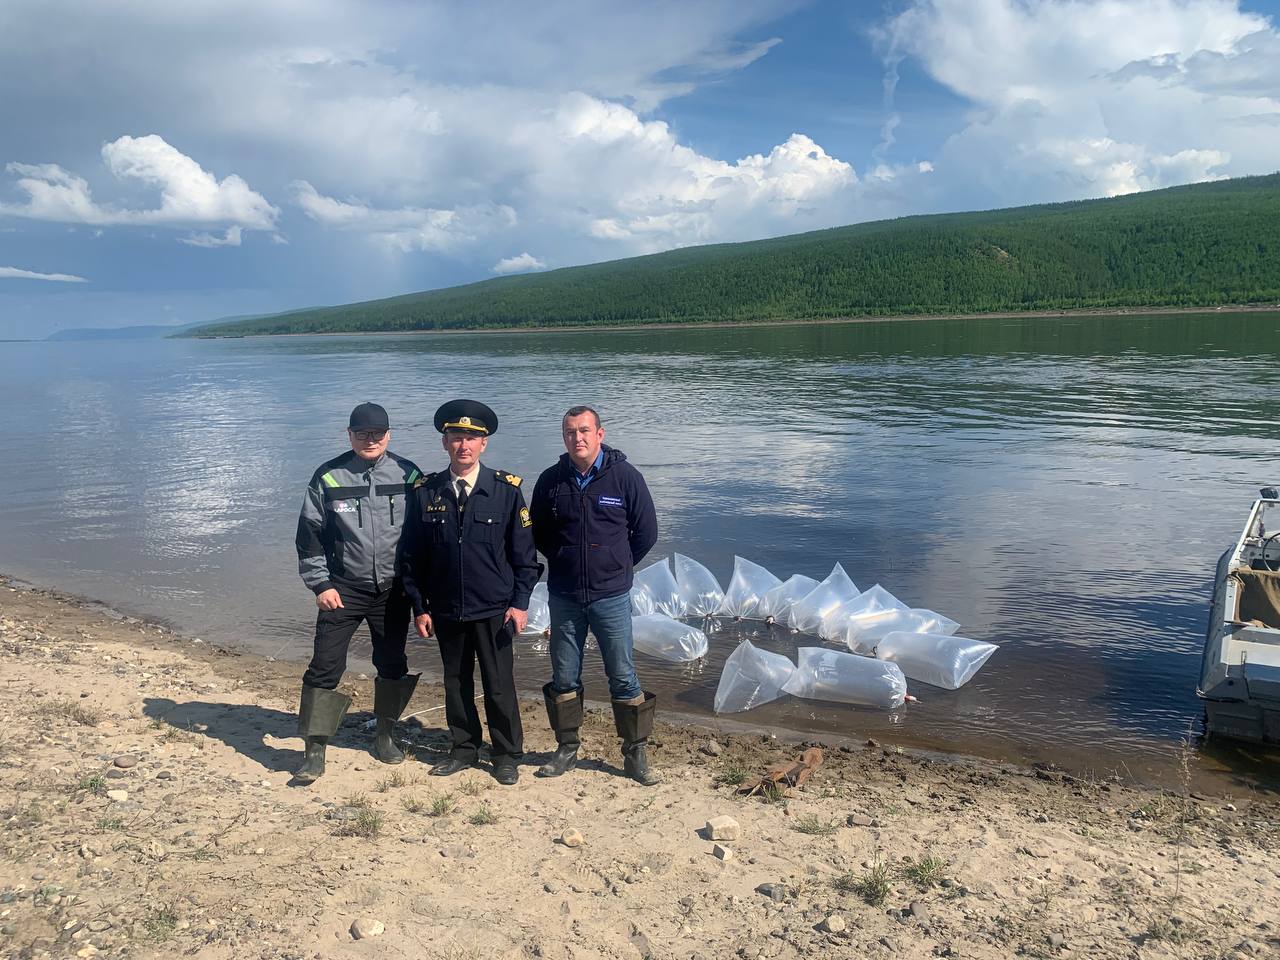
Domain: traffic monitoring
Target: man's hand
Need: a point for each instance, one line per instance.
(423, 623)
(328, 599)
(518, 617)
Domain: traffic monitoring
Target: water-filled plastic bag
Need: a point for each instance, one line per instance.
(641, 602)
(869, 602)
(777, 603)
(747, 588)
(699, 589)
(751, 677)
(807, 614)
(864, 630)
(657, 581)
(840, 677)
(660, 636)
(948, 662)
(539, 613)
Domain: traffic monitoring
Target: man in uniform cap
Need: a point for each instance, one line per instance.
(469, 565)
(347, 540)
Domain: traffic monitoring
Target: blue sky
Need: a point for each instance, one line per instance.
(166, 163)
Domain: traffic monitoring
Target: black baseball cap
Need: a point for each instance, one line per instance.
(368, 416)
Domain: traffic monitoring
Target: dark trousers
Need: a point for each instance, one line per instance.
(387, 614)
(461, 645)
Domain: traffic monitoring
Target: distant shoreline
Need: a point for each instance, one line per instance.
(723, 324)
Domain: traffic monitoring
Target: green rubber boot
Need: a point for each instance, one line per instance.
(320, 713)
(390, 697)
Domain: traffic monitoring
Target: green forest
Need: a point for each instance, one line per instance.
(1201, 245)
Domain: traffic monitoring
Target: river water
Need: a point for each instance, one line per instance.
(1062, 487)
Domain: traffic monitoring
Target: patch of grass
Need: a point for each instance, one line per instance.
(1171, 929)
(813, 825)
(926, 872)
(360, 801)
(106, 824)
(73, 710)
(473, 786)
(732, 773)
(396, 780)
(872, 885)
(773, 793)
(367, 824)
(482, 817)
(413, 803)
(160, 925)
(95, 784)
(204, 853)
(442, 804)
(174, 734)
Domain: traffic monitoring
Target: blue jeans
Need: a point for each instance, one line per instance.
(610, 621)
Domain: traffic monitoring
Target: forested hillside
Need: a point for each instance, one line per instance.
(1198, 245)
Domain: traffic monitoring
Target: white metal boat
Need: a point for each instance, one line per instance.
(1240, 672)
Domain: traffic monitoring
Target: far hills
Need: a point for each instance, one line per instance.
(1201, 245)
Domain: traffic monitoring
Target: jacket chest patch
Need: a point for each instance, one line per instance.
(611, 501)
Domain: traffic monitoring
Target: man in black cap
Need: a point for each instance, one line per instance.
(348, 535)
(468, 564)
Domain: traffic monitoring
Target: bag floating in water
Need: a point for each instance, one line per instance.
(699, 590)
(751, 677)
(747, 589)
(869, 602)
(659, 636)
(806, 615)
(841, 677)
(948, 662)
(776, 604)
(657, 581)
(864, 630)
(539, 613)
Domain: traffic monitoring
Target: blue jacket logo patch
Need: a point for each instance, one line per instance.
(611, 502)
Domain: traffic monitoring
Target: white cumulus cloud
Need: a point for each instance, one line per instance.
(14, 273)
(521, 263)
(1079, 98)
(188, 194)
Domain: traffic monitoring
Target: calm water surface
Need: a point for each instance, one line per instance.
(1060, 487)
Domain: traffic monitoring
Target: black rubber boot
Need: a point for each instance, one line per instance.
(390, 697)
(565, 717)
(320, 713)
(634, 722)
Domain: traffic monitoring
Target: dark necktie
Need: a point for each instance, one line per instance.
(462, 495)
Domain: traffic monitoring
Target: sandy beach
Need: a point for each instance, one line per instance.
(147, 813)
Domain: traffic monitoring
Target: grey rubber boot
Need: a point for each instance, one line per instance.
(634, 722)
(565, 717)
(390, 697)
(320, 713)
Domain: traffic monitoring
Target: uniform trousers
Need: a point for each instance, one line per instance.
(462, 643)
(387, 613)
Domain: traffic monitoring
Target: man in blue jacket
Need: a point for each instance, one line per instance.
(593, 520)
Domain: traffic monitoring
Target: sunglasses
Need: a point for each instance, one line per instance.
(368, 435)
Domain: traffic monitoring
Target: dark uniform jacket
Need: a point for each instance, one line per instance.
(349, 525)
(594, 537)
(472, 565)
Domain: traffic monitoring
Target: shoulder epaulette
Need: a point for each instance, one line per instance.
(510, 478)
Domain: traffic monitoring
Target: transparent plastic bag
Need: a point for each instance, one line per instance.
(699, 589)
(840, 677)
(657, 581)
(751, 677)
(641, 602)
(660, 636)
(866, 604)
(807, 614)
(539, 613)
(864, 630)
(747, 588)
(947, 662)
(776, 604)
